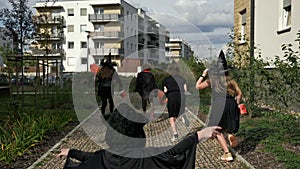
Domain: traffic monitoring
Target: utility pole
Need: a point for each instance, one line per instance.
(210, 50)
(87, 52)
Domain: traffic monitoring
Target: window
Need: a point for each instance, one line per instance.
(83, 61)
(99, 44)
(243, 26)
(70, 12)
(83, 28)
(99, 28)
(70, 45)
(56, 45)
(99, 10)
(83, 44)
(286, 18)
(70, 28)
(71, 61)
(97, 61)
(83, 12)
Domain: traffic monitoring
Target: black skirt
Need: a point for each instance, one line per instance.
(225, 113)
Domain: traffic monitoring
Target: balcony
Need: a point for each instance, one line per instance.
(48, 19)
(104, 17)
(52, 37)
(51, 52)
(152, 30)
(105, 51)
(152, 44)
(107, 35)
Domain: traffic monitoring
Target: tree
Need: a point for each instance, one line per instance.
(18, 22)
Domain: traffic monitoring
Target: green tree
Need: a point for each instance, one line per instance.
(18, 22)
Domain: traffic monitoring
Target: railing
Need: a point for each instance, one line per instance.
(114, 34)
(43, 51)
(104, 17)
(152, 30)
(48, 19)
(105, 51)
(51, 37)
(153, 43)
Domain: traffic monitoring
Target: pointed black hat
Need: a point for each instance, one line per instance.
(220, 67)
(108, 61)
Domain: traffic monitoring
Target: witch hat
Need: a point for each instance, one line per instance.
(108, 61)
(220, 67)
(222, 60)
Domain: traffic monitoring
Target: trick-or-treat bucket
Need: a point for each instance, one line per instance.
(123, 93)
(161, 97)
(243, 109)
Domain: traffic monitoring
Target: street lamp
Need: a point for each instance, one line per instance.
(87, 47)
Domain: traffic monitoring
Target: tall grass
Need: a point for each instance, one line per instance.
(19, 134)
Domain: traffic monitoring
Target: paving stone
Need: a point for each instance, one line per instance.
(158, 134)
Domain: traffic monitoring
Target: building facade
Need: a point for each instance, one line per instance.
(176, 49)
(274, 23)
(93, 29)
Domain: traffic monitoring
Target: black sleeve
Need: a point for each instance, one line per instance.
(138, 83)
(155, 85)
(80, 155)
(119, 81)
(183, 145)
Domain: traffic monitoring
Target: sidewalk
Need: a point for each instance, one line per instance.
(208, 152)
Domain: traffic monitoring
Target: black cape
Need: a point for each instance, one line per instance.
(181, 156)
(145, 83)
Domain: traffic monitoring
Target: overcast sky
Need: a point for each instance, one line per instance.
(203, 24)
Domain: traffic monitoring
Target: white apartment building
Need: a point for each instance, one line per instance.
(276, 22)
(176, 49)
(94, 28)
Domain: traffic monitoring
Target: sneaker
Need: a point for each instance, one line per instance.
(227, 157)
(232, 141)
(175, 137)
(185, 121)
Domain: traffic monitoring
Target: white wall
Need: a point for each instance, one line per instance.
(267, 23)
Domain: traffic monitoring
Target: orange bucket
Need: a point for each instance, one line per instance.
(123, 93)
(243, 109)
(161, 97)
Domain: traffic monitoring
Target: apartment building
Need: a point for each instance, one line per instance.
(176, 49)
(274, 23)
(94, 28)
(242, 31)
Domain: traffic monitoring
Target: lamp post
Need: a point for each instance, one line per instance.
(87, 47)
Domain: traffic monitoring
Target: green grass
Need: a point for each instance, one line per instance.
(274, 130)
(26, 123)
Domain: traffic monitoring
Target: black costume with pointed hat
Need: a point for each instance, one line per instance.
(145, 84)
(105, 78)
(224, 109)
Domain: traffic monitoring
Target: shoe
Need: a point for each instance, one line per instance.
(232, 141)
(185, 121)
(175, 137)
(227, 157)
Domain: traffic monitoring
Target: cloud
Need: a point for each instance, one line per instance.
(202, 23)
(207, 14)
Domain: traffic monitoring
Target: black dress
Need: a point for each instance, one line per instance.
(224, 113)
(145, 84)
(175, 94)
(106, 90)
